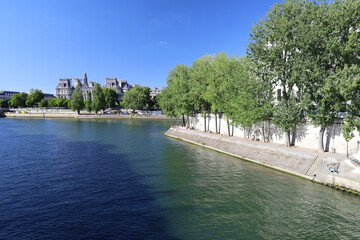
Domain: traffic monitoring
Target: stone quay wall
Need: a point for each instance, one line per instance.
(306, 163)
(306, 135)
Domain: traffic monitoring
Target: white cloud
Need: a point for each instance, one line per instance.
(163, 42)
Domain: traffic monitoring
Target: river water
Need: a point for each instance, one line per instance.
(123, 179)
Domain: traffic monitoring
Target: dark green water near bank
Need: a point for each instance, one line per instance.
(123, 179)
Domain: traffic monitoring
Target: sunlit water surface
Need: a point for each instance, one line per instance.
(123, 179)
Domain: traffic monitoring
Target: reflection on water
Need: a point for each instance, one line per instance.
(123, 179)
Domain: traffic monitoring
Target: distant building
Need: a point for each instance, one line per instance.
(6, 95)
(155, 91)
(66, 86)
(48, 96)
(120, 86)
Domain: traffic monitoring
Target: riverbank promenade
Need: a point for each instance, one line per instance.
(332, 169)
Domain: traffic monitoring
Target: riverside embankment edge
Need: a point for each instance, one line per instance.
(84, 116)
(304, 163)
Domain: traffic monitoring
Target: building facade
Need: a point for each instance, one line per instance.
(6, 95)
(66, 86)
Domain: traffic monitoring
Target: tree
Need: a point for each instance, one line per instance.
(43, 103)
(176, 100)
(18, 100)
(274, 48)
(77, 102)
(111, 97)
(98, 99)
(137, 98)
(350, 90)
(88, 102)
(248, 98)
(34, 97)
(222, 72)
(59, 102)
(331, 45)
(200, 72)
(3, 103)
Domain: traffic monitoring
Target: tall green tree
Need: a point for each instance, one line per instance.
(248, 98)
(350, 90)
(201, 71)
(331, 43)
(98, 99)
(77, 102)
(34, 97)
(274, 47)
(88, 102)
(111, 97)
(18, 100)
(222, 73)
(137, 98)
(176, 98)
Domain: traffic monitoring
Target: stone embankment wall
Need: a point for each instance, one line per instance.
(63, 113)
(302, 162)
(305, 136)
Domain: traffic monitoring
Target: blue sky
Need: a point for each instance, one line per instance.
(135, 40)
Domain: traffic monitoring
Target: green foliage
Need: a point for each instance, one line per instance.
(248, 99)
(3, 103)
(276, 49)
(34, 98)
(111, 97)
(43, 103)
(77, 102)
(88, 102)
(137, 98)
(175, 100)
(201, 73)
(59, 102)
(98, 99)
(350, 90)
(18, 100)
(308, 50)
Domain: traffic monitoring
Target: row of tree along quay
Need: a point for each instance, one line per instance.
(100, 99)
(302, 64)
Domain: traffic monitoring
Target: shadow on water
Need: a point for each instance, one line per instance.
(52, 189)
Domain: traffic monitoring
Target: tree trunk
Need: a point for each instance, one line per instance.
(321, 139)
(269, 130)
(328, 138)
(216, 126)
(219, 122)
(293, 137)
(183, 120)
(232, 126)
(287, 138)
(208, 124)
(188, 121)
(228, 125)
(205, 122)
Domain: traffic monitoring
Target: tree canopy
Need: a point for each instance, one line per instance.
(137, 98)
(18, 100)
(77, 102)
(307, 52)
(98, 99)
(34, 97)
